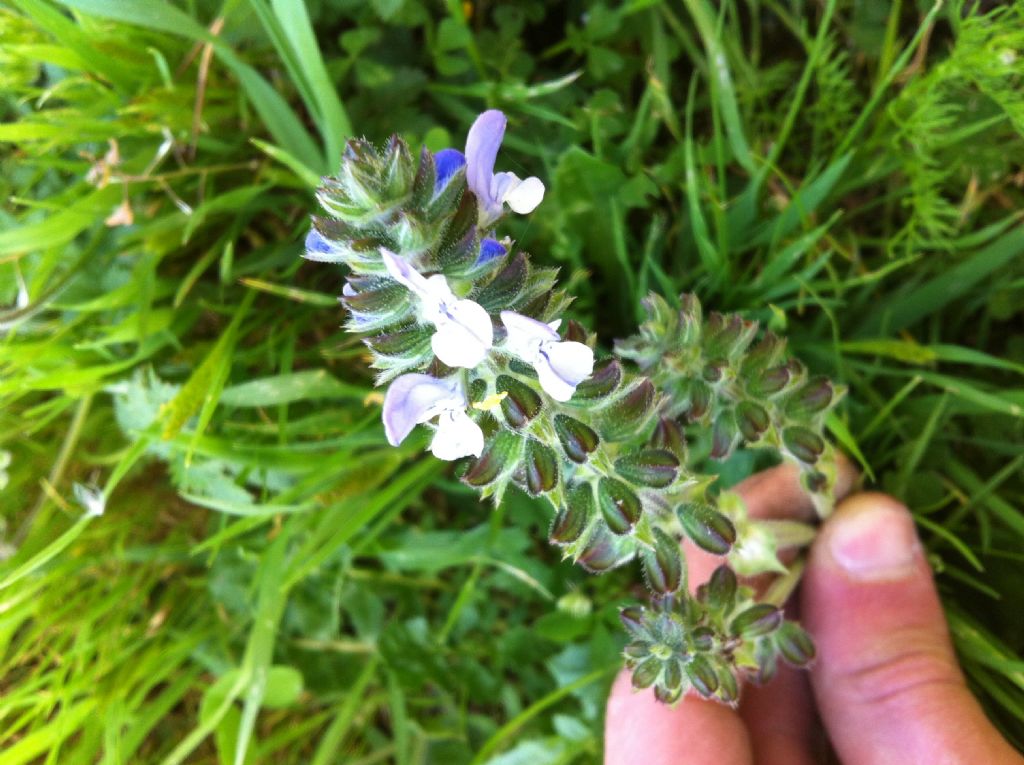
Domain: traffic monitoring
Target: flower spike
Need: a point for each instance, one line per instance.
(605, 444)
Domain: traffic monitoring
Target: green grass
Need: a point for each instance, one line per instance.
(272, 582)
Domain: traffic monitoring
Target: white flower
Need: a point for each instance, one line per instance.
(755, 551)
(91, 498)
(464, 332)
(494, 190)
(758, 541)
(561, 365)
(414, 398)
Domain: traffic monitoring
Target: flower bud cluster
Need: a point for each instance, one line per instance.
(746, 393)
(709, 642)
(469, 338)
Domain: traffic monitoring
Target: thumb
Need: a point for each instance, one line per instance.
(886, 680)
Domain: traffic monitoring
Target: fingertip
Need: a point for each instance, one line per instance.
(871, 536)
(639, 728)
(886, 678)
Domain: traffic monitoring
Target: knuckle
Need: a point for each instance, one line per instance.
(904, 666)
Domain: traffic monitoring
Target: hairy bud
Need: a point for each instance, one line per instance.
(541, 466)
(720, 590)
(629, 413)
(702, 675)
(650, 467)
(602, 382)
(572, 518)
(668, 434)
(497, 459)
(752, 419)
(646, 673)
(758, 620)
(812, 397)
(600, 552)
(521, 403)
(803, 443)
(708, 528)
(663, 566)
(620, 507)
(578, 440)
(794, 644)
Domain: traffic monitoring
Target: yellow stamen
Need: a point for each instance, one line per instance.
(490, 402)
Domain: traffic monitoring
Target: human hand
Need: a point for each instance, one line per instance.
(886, 685)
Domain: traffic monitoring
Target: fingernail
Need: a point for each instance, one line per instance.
(873, 542)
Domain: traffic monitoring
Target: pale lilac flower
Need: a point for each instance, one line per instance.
(493, 190)
(464, 331)
(561, 365)
(415, 398)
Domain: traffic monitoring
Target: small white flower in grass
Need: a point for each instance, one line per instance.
(561, 365)
(493, 190)
(414, 398)
(91, 498)
(464, 331)
(5, 462)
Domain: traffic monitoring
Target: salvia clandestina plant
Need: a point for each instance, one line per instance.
(468, 336)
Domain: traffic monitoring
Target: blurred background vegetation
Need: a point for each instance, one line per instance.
(270, 582)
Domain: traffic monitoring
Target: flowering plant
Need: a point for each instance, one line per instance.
(465, 332)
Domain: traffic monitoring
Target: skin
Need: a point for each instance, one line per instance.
(885, 688)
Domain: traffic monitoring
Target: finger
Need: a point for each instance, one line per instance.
(886, 679)
(640, 729)
(780, 716)
(781, 720)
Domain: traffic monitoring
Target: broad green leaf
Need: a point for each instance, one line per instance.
(204, 386)
(311, 384)
(60, 227)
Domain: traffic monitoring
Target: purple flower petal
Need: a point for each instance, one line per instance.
(415, 398)
(482, 146)
(447, 162)
(526, 333)
(489, 250)
(316, 243)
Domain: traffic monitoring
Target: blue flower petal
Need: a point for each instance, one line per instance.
(489, 250)
(315, 242)
(447, 162)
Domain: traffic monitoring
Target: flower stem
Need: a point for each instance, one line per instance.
(778, 592)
